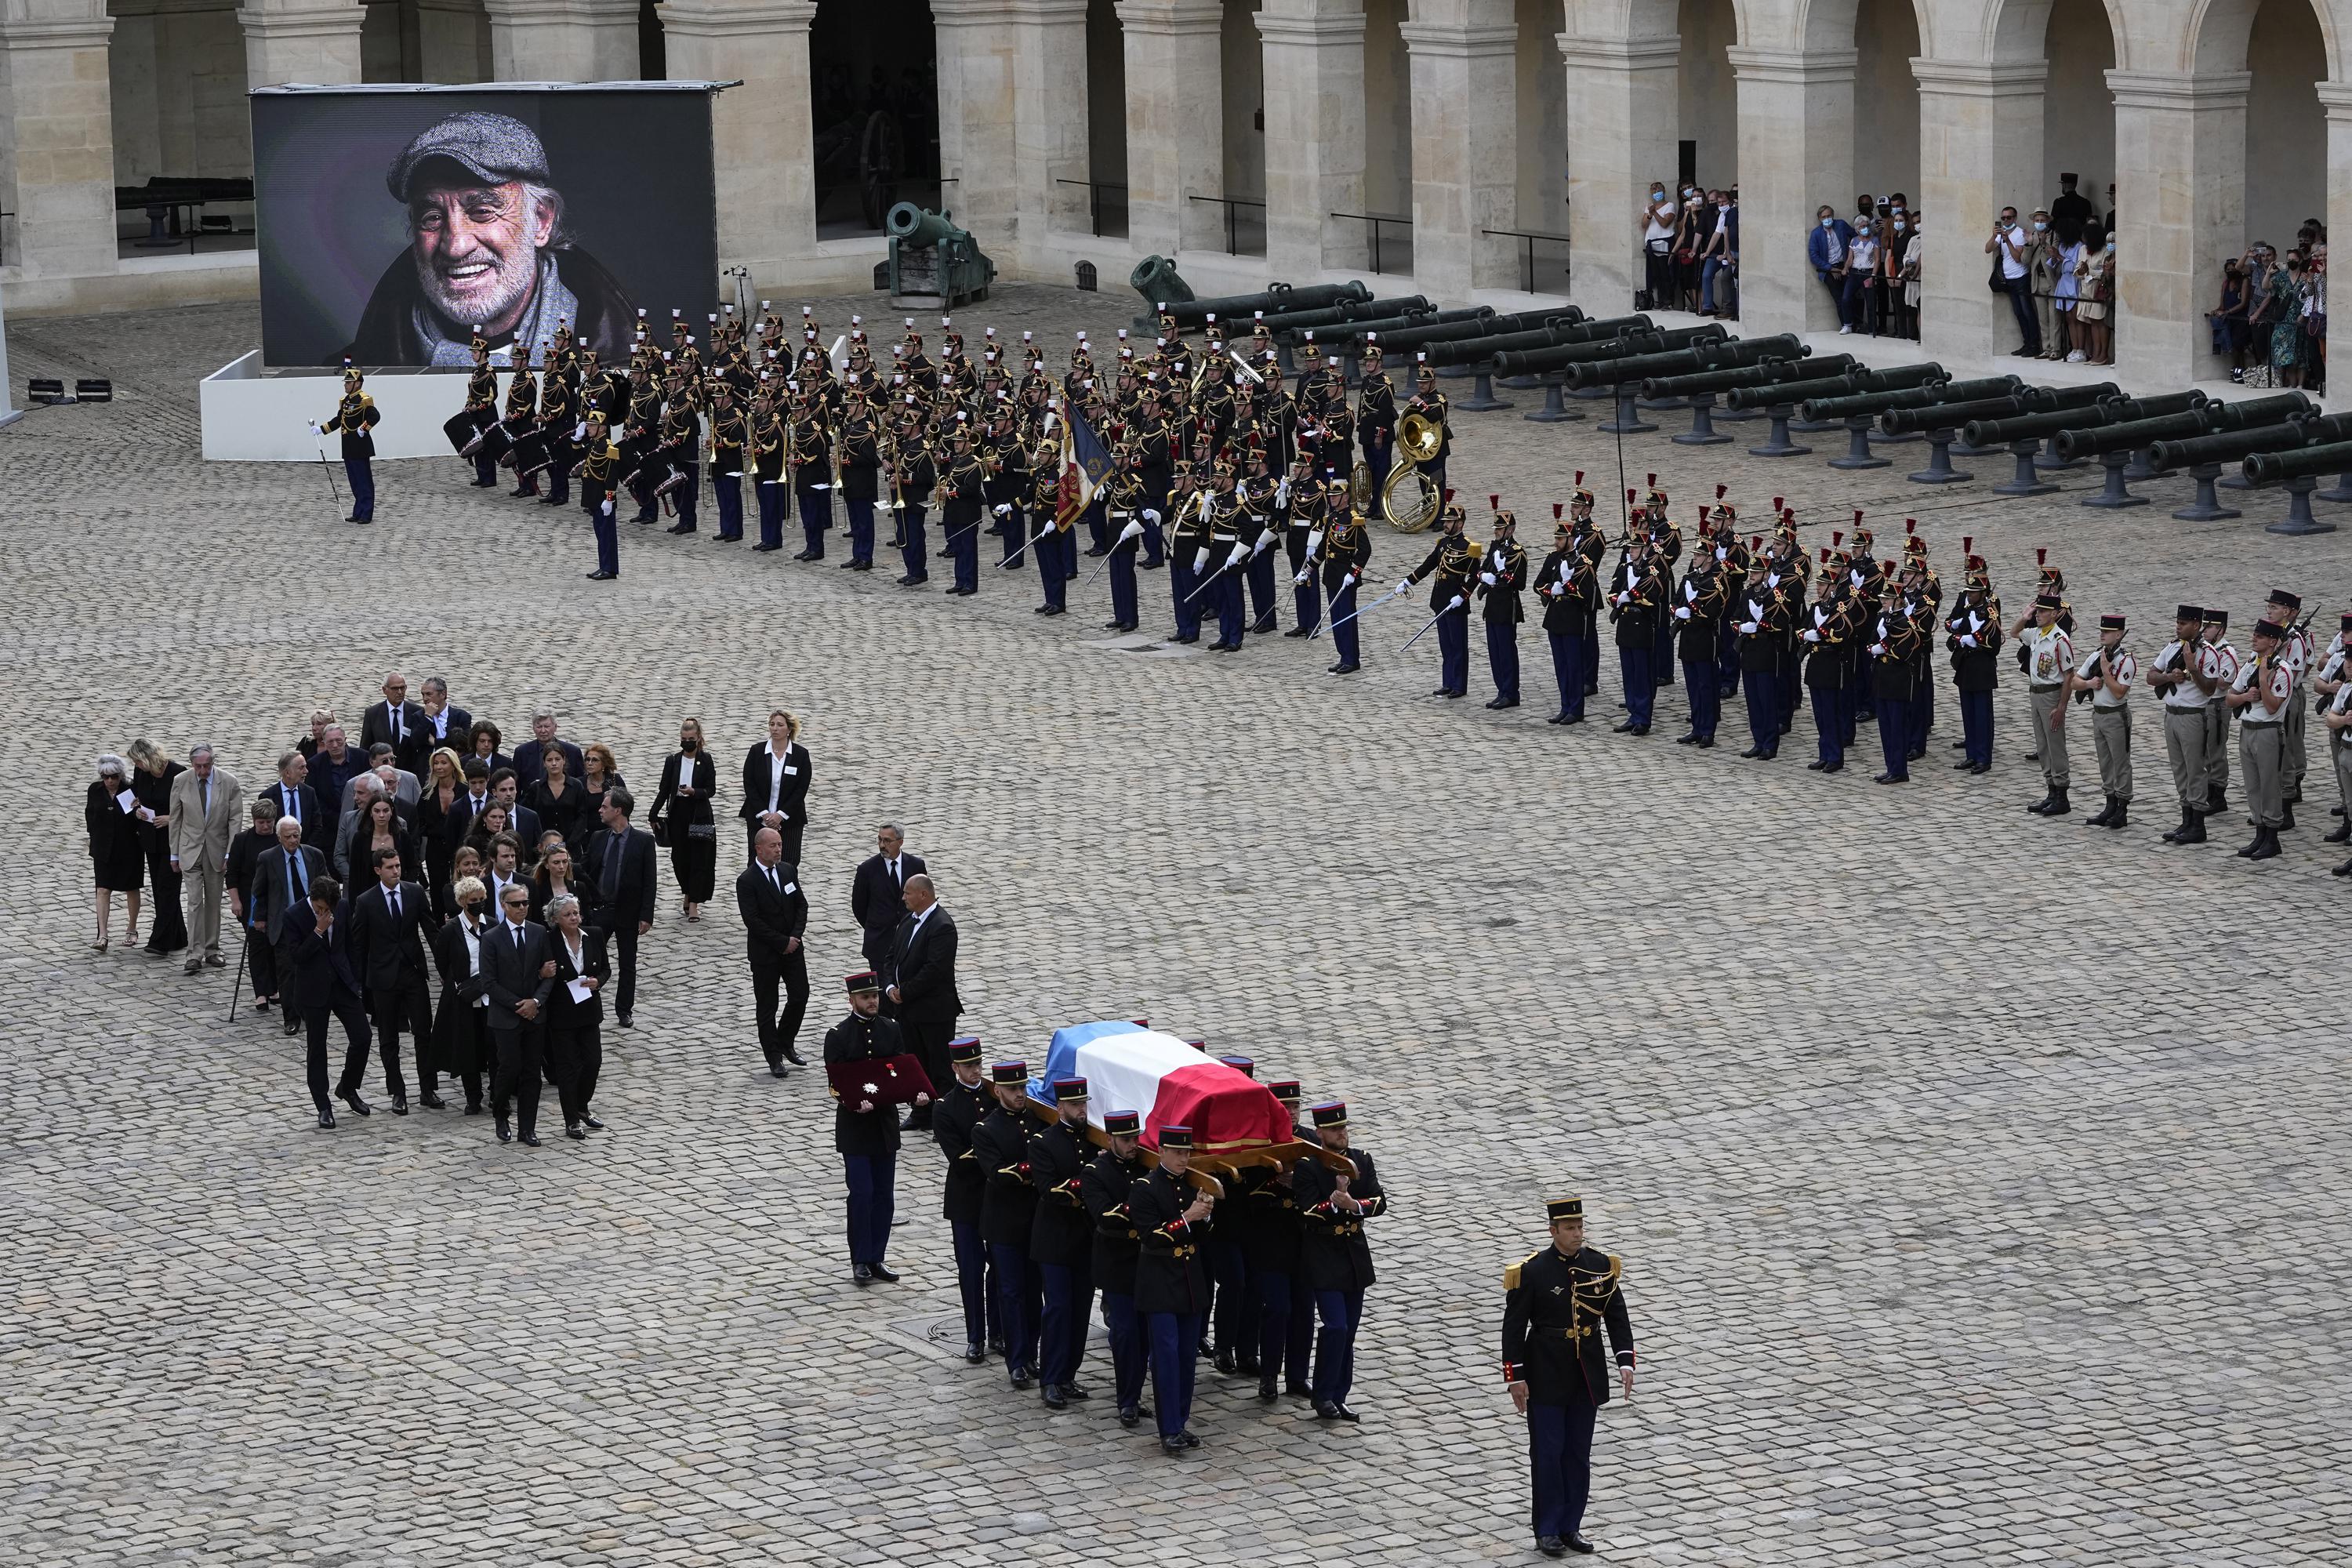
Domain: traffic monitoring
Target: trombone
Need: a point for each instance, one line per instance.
(1418, 439)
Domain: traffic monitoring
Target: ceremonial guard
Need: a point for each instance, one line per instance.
(2261, 693)
(1171, 1287)
(559, 417)
(770, 438)
(2105, 681)
(812, 454)
(1061, 1243)
(866, 1129)
(1825, 636)
(1335, 1257)
(1263, 499)
(962, 498)
(1008, 1207)
(730, 437)
(1304, 516)
(1376, 415)
(1893, 651)
(1276, 1236)
(1129, 513)
(1564, 584)
(1764, 623)
(2216, 633)
(599, 466)
(1972, 633)
(861, 464)
(1555, 1304)
(521, 415)
(1450, 565)
(2048, 654)
(355, 420)
(1347, 553)
(1699, 607)
(1187, 558)
(957, 1116)
(2188, 674)
(1053, 533)
(1503, 574)
(1636, 594)
(1227, 552)
(481, 407)
(913, 471)
(1110, 1179)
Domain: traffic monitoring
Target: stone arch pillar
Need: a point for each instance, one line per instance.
(1314, 52)
(1622, 66)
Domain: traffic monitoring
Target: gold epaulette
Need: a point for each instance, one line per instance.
(1511, 1274)
(367, 400)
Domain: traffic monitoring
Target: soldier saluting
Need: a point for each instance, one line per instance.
(1555, 1303)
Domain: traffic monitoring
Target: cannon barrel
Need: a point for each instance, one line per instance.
(2248, 412)
(2302, 462)
(2049, 399)
(2126, 435)
(1351, 335)
(1470, 351)
(1962, 400)
(1521, 322)
(911, 225)
(1292, 323)
(1451, 332)
(1276, 297)
(2130, 408)
(1449, 323)
(1709, 383)
(2034, 426)
(1870, 405)
(1900, 375)
(1791, 394)
(1725, 354)
(2230, 445)
(1538, 362)
(1926, 395)
(1623, 370)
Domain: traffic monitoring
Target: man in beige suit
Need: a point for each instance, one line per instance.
(207, 810)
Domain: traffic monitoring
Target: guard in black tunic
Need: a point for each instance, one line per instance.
(1171, 1287)
(1062, 1243)
(1554, 1305)
(355, 419)
(960, 1106)
(1274, 1237)
(1105, 1186)
(866, 1131)
(1008, 1209)
(1335, 1258)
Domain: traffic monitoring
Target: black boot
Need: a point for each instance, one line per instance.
(2339, 836)
(2266, 844)
(2119, 812)
(2057, 806)
(2286, 817)
(2042, 805)
(2253, 844)
(2191, 830)
(2101, 820)
(2216, 802)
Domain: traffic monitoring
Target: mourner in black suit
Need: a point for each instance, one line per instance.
(1555, 1304)
(388, 921)
(866, 1131)
(445, 724)
(321, 983)
(519, 961)
(775, 915)
(527, 765)
(575, 1045)
(1334, 1255)
(1172, 1285)
(399, 723)
(295, 799)
(682, 818)
(776, 784)
(877, 894)
(461, 1025)
(282, 879)
(959, 1108)
(921, 974)
(617, 861)
(1109, 1180)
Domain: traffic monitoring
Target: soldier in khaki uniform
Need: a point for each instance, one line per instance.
(2049, 656)
(2261, 694)
(2188, 674)
(2104, 680)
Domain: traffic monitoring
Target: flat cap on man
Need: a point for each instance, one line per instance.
(495, 148)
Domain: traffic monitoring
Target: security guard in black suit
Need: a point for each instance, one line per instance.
(1172, 1285)
(953, 1120)
(1335, 1258)
(1554, 1305)
(1061, 1243)
(1106, 1185)
(1008, 1210)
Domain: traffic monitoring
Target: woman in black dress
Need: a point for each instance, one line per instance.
(444, 785)
(604, 773)
(682, 816)
(380, 829)
(553, 880)
(558, 800)
(466, 862)
(115, 852)
(151, 780)
(244, 856)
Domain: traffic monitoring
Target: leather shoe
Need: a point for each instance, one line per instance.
(975, 1353)
(791, 1056)
(1186, 1437)
(529, 1140)
(601, 576)
(194, 966)
(1171, 1445)
(882, 1274)
(591, 1123)
(1053, 1397)
(1345, 667)
(1551, 1546)
(573, 1130)
(1266, 1393)
(351, 1097)
(293, 1023)
(1021, 1380)
(400, 1105)
(1816, 765)
(862, 1275)
(777, 1069)
(626, 1020)
(1577, 1544)
(506, 1133)
(432, 1101)
(326, 1121)
(1129, 1417)
(1626, 729)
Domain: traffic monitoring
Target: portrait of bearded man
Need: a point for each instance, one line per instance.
(488, 252)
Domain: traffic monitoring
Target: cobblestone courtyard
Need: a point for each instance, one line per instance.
(1981, 1181)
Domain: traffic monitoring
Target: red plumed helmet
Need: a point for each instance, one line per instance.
(1719, 490)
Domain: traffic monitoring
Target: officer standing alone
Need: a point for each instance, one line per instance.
(1555, 1303)
(866, 1130)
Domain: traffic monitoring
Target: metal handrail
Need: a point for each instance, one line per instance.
(1233, 245)
(1376, 219)
(1530, 236)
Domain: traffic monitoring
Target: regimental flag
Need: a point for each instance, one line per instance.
(1169, 1083)
(1085, 465)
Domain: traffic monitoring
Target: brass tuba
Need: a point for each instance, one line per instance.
(1418, 438)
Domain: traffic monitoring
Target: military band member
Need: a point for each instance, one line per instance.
(1764, 620)
(1431, 406)
(914, 472)
(599, 472)
(1699, 605)
(960, 1106)
(1061, 1243)
(1376, 415)
(1896, 639)
(861, 467)
(1347, 556)
(1172, 1285)
(2188, 674)
(962, 495)
(1972, 633)
(1335, 1258)
(1502, 574)
(521, 419)
(1108, 1181)
(1556, 1303)
(1008, 1208)
(481, 405)
(2104, 680)
(355, 420)
(2049, 654)
(866, 1131)
(559, 415)
(1825, 636)
(1565, 587)
(1636, 599)
(2216, 632)
(2261, 693)
(769, 436)
(1228, 558)
(1450, 567)
(1304, 515)
(731, 437)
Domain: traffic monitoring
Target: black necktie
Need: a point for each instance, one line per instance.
(518, 931)
(776, 883)
(392, 897)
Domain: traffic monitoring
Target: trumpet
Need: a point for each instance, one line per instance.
(1418, 440)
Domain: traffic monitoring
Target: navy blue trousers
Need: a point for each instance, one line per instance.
(1503, 658)
(1052, 568)
(363, 476)
(1016, 1306)
(873, 1202)
(911, 530)
(1338, 1314)
(1764, 708)
(1226, 595)
(1307, 600)
(727, 493)
(608, 540)
(1343, 636)
(1592, 663)
(1453, 649)
(1234, 1320)
(1014, 528)
(1180, 584)
(1070, 1297)
(1633, 664)
(1976, 726)
(1895, 734)
(1567, 670)
(816, 518)
(1559, 1456)
(772, 513)
(1699, 681)
(1923, 715)
(1122, 568)
(861, 530)
(1286, 1329)
(683, 497)
(963, 545)
(971, 1280)
(1828, 722)
(1261, 587)
(1175, 1353)
(1126, 1358)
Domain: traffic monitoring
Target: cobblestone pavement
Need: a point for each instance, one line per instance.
(1981, 1181)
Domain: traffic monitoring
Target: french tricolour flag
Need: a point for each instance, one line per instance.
(1130, 1067)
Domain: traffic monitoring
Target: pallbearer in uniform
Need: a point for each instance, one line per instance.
(1564, 584)
(1276, 1234)
(1555, 1305)
(1336, 1258)
(1109, 1182)
(355, 419)
(2188, 673)
(1503, 574)
(1061, 1243)
(960, 1106)
(1347, 552)
(866, 1131)
(1450, 566)
(2105, 678)
(1008, 1204)
(2049, 655)
(1171, 1287)
(600, 470)
(2261, 694)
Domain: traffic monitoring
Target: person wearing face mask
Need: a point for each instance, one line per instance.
(1908, 230)
(1656, 226)
(1719, 258)
(2093, 289)
(1825, 251)
(2042, 279)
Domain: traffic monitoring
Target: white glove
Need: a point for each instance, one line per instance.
(1401, 589)
(1265, 541)
(1003, 509)
(1878, 648)
(1300, 580)
(1487, 578)
(1132, 531)
(1282, 494)
(1682, 612)
(314, 429)
(1747, 626)
(1812, 636)
(608, 506)
(1200, 559)
(1150, 514)
(1240, 554)
(1314, 542)
(1968, 640)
